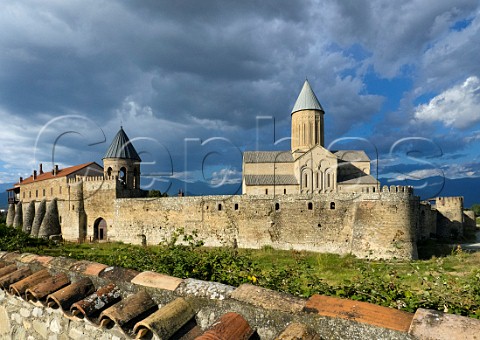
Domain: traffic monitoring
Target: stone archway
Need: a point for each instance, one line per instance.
(100, 230)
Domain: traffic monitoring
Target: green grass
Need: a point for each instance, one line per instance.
(445, 279)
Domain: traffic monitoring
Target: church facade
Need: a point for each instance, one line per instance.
(308, 168)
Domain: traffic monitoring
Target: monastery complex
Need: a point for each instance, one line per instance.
(306, 198)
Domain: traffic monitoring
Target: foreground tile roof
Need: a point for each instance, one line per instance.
(153, 305)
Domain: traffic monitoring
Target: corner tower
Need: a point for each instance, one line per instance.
(307, 120)
(122, 160)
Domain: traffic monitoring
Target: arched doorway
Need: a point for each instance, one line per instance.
(100, 230)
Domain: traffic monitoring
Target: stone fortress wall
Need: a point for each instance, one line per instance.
(377, 224)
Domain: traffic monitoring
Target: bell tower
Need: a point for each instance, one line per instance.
(307, 120)
(122, 160)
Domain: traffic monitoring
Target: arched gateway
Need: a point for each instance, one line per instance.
(100, 230)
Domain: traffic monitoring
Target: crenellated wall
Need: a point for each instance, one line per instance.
(383, 223)
(379, 225)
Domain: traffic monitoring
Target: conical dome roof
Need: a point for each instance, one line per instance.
(307, 100)
(121, 147)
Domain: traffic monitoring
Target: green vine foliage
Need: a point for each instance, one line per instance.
(432, 283)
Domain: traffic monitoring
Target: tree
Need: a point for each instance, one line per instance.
(476, 209)
(156, 193)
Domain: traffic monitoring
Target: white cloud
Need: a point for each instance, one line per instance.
(396, 32)
(225, 176)
(451, 171)
(458, 106)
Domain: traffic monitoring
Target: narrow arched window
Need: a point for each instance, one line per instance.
(310, 205)
(123, 175)
(277, 206)
(332, 205)
(135, 184)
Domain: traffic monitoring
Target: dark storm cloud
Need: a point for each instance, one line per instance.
(188, 58)
(397, 31)
(171, 70)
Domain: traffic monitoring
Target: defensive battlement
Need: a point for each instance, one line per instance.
(398, 189)
(449, 200)
(385, 189)
(79, 179)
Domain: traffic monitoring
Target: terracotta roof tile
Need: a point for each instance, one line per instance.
(229, 326)
(44, 288)
(156, 280)
(10, 257)
(118, 274)
(91, 306)
(19, 274)
(65, 297)
(7, 269)
(28, 258)
(268, 299)
(43, 260)
(18, 288)
(88, 267)
(127, 312)
(166, 321)
(240, 315)
(360, 311)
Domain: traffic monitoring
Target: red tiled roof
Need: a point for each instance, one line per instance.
(60, 173)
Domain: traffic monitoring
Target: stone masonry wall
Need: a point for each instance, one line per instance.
(22, 320)
(469, 219)
(449, 216)
(379, 225)
(427, 222)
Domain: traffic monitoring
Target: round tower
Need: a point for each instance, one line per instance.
(123, 161)
(307, 121)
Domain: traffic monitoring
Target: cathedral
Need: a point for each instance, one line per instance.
(308, 168)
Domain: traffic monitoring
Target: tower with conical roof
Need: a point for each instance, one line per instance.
(307, 120)
(123, 161)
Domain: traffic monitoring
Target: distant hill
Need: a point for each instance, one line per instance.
(468, 187)
(197, 188)
(4, 196)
